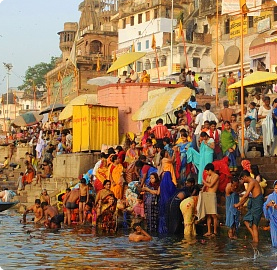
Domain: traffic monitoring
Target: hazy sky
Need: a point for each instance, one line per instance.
(28, 33)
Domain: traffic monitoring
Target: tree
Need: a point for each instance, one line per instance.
(36, 75)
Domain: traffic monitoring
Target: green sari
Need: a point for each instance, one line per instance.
(227, 141)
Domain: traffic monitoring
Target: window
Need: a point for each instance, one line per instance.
(147, 16)
(167, 13)
(206, 29)
(155, 13)
(139, 66)
(163, 60)
(27, 107)
(140, 18)
(196, 62)
(147, 44)
(123, 23)
(275, 13)
(139, 46)
(250, 22)
(132, 20)
(227, 26)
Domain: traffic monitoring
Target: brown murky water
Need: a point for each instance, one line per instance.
(27, 247)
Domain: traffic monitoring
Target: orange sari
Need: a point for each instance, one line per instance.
(167, 166)
(115, 175)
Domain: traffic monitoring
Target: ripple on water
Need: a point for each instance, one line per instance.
(27, 247)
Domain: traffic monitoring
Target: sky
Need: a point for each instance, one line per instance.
(28, 34)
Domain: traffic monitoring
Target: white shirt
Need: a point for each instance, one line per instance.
(202, 85)
(264, 112)
(198, 122)
(209, 116)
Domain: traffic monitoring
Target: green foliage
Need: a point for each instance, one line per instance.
(36, 75)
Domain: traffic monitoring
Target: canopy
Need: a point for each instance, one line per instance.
(163, 103)
(101, 81)
(125, 60)
(52, 107)
(27, 119)
(255, 78)
(80, 100)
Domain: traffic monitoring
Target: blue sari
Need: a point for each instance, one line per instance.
(232, 213)
(271, 214)
(167, 190)
(183, 152)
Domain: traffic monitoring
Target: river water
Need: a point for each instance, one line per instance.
(28, 247)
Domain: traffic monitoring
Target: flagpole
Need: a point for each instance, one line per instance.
(185, 51)
(216, 55)
(241, 80)
(157, 64)
(171, 40)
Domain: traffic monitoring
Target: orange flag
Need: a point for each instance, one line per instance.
(243, 6)
(153, 45)
(133, 47)
(98, 64)
(180, 30)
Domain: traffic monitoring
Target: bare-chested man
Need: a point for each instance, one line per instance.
(47, 171)
(70, 203)
(37, 210)
(139, 235)
(208, 201)
(51, 214)
(255, 204)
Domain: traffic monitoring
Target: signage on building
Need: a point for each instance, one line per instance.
(235, 27)
(263, 15)
(233, 7)
(263, 25)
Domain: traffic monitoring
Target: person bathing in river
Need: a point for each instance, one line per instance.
(139, 235)
(255, 204)
(49, 213)
(37, 210)
(83, 198)
(70, 202)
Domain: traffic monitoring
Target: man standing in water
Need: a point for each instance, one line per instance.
(207, 202)
(70, 203)
(255, 204)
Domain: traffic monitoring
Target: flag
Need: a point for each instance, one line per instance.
(180, 31)
(114, 56)
(153, 45)
(98, 64)
(133, 47)
(59, 77)
(243, 7)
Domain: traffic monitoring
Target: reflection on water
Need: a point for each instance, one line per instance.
(27, 247)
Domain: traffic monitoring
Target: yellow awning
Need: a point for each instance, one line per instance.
(80, 100)
(255, 78)
(163, 103)
(125, 60)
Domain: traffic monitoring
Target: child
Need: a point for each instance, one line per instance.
(64, 208)
(232, 214)
(139, 207)
(167, 147)
(252, 114)
(234, 123)
(193, 189)
(90, 214)
(206, 126)
(83, 198)
(20, 185)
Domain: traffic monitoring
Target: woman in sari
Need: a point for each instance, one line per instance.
(205, 156)
(115, 171)
(106, 215)
(103, 193)
(101, 175)
(223, 85)
(270, 212)
(151, 202)
(131, 154)
(167, 165)
(167, 190)
(231, 92)
(229, 145)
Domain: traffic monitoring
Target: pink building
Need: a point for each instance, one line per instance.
(128, 97)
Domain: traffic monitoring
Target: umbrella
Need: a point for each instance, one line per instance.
(101, 81)
(53, 107)
(125, 60)
(80, 100)
(255, 78)
(163, 103)
(27, 119)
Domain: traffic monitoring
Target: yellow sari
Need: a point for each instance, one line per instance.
(115, 175)
(167, 166)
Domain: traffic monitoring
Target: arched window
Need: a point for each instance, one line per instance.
(95, 47)
(163, 60)
(147, 64)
